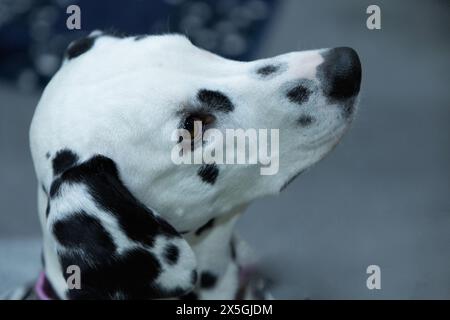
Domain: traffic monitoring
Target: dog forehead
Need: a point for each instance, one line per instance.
(99, 57)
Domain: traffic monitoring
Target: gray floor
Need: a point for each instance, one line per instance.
(382, 197)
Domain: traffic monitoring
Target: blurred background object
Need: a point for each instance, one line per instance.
(33, 34)
(382, 197)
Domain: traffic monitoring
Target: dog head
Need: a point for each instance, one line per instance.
(103, 133)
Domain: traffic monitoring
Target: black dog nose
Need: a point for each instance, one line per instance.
(341, 73)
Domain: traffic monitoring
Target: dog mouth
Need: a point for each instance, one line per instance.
(330, 138)
(289, 181)
(325, 142)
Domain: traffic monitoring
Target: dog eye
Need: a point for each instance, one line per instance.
(196, 124)
(195, 128)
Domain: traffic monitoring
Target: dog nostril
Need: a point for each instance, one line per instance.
(340, 73)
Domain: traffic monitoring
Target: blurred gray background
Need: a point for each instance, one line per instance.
(382, 197)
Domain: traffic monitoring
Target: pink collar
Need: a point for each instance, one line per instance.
(43, 288)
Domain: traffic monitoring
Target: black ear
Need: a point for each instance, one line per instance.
(124, 250)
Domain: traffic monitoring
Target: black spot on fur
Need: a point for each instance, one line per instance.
(106, 273)
(78, 47)
(305, 120)
(205, 227)
(63, 160)
(47, 209)
(208, 173)
(207, 280)
(55, 187)
(132, 273)
(171, 254)
(44, 190)
(215, 100)
(47, 155)
(267, 70)
(82, 232)
(101, 177)
(299, 94)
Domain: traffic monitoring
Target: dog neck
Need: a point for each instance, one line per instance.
(209, 241)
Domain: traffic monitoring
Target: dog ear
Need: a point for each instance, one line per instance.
(123, 249)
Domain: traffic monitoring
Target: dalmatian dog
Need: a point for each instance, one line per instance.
(112, 202)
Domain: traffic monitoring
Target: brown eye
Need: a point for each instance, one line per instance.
(196, 124)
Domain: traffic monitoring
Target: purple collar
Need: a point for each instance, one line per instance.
(43, 288)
